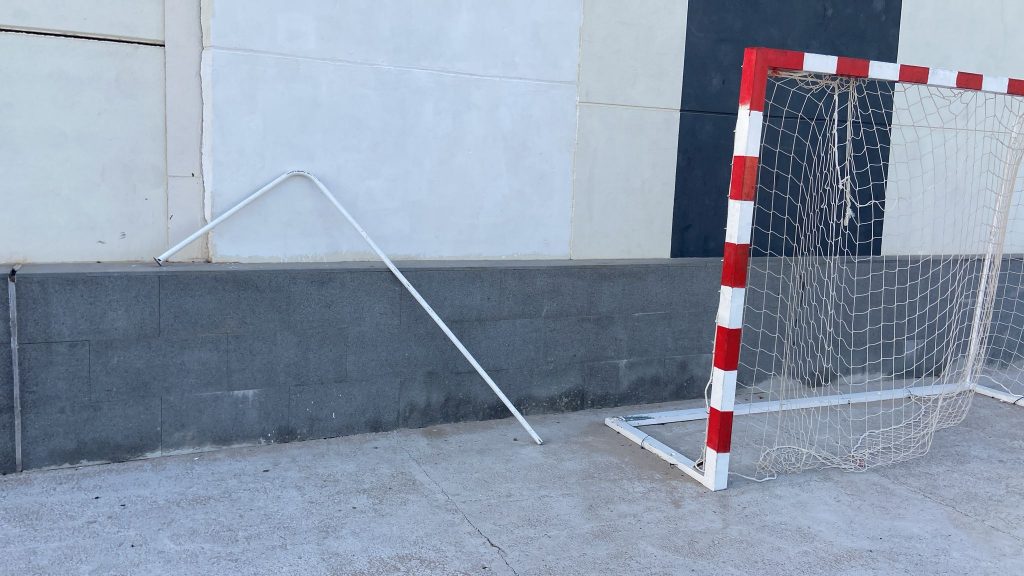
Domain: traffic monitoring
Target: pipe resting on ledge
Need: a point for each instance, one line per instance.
(161, 259)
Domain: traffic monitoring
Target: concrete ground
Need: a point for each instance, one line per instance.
(480, 498)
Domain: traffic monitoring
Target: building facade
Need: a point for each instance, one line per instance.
(553, 173)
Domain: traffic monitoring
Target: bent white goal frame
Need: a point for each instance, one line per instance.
(711, 466)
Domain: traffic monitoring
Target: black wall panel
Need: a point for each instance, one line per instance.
(793, 199)
(716, 34)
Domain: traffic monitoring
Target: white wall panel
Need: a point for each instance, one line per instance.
(184, 103)
(976, 36)
(536, 39)
(82, 150)
(433, 165)
(125, 19)
(952, 157)
(942, 183)
(625, 182)
(631, 53)
(631, 71)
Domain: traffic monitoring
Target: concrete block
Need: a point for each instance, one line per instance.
(269, 355)
(671, 378)
(581, 290)
(651, 334)
(434, 397)
(616, 290)
(6, 374)
(501, 344)
(255, 302)
(657, 334)
(54, 374)
(5, 311)
(194, 421)
(222, 302)
(283, 359)
(547, 388)
(694, 292)
(64, 307)
(6, 382)
(496, 292)
(344, 408)
(602, 381)
(157, 366)
(646, 380)
(91, 432)
(7, 460)
(376, 352)
(584, 339)
(554, 292)
(690, 290)
(476, 293)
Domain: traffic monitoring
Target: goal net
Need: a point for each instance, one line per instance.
(880, 263)
(873, 271)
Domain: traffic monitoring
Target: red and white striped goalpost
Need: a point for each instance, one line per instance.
(712, 469)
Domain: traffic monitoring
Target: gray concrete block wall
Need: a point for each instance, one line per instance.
(130, 361)
(1007, 331)
(124, 362)
(6, 382)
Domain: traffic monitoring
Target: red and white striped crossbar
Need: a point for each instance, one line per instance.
(758, 64)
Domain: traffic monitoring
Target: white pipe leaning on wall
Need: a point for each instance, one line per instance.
(387, 261)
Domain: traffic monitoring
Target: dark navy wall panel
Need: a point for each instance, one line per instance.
(698, 221)
(716, 34)
(718, 31)
(790, 190)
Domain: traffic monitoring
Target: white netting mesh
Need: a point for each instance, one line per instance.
(884, 257)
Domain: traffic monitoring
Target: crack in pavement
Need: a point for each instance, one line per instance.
(437, 485)
(952, 507)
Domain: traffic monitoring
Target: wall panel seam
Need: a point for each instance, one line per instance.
(93, 37)
(344, 62)
(638, 106)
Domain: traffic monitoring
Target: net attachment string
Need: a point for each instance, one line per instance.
(380, 254)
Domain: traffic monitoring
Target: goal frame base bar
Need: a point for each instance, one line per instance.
(629, 426)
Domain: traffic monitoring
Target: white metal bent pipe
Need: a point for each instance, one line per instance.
(387, 261)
